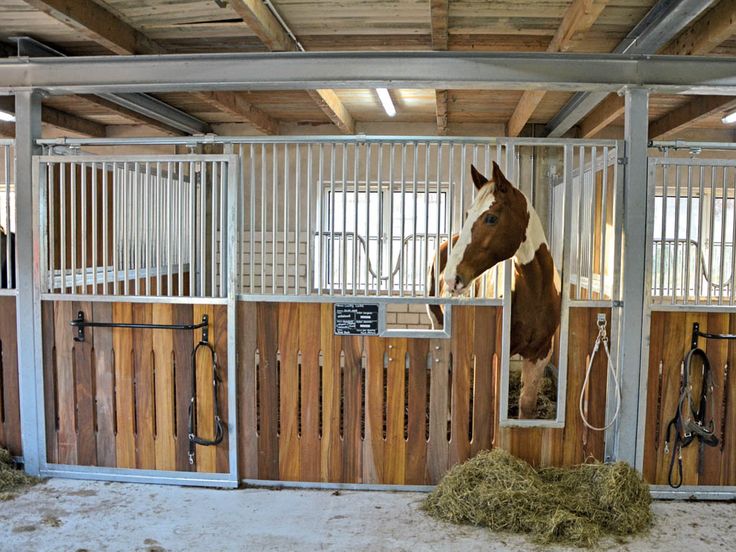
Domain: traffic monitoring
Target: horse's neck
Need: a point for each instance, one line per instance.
(533, 253)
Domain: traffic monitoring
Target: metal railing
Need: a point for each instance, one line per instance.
(692, 231)
(7, 218)
(135, 226)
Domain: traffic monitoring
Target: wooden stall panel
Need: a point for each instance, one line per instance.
(669, 343)
(9, 398)
(121, 397)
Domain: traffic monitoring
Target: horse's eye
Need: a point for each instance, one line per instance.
(491, 219)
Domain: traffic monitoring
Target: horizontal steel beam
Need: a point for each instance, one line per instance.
(297, 71)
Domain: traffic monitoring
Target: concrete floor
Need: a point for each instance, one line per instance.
(81, 516)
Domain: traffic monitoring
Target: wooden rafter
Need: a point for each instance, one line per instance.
(236, 104)
(714, 27)
(689, 114)
(108, 30)
(60, 119)
(439, 15)
(578, 19)
(130, 115)
(269, 30)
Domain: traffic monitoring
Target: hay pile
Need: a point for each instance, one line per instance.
(11, 478)
(573, 506)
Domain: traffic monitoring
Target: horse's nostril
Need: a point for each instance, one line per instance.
(458, 282)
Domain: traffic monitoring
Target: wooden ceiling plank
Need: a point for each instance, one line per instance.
(99, 25)
(603, 115)
(578, 19)
(105, 28)
(441, 111)
(707, 33)
(264, 24)
(59, 119)
(689, 114)
(438, 12)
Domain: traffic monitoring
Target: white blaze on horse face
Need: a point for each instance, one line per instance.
(482, 203)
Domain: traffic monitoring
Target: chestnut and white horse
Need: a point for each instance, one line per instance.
(502, 224)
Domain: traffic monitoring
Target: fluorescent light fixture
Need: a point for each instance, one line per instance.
(7, 117)
(730, 118)
(388, 104)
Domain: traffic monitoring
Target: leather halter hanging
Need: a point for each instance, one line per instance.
(219, 429)
(691, 424)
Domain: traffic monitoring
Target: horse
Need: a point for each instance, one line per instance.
(7, 272)
(501, 224)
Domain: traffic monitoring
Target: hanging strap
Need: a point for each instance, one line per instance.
(219, 429)
(601, 338)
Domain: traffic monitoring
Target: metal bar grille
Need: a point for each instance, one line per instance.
(7, 218)
(136, 226)
(693, 232)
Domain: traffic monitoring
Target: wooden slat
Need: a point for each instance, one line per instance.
(309, 344)
(122, 339)
(395, 447)
(268, 408)
(484, 345)
(10, 435)
(49, 380)
(438, 448)
(438, 13)
(689, 114)
(728, 460)
(331, 451)
(246, 394)
(578, 353)
(219, 324)
(416, 442)
(104, 386)
(143, 388)
(655, 427)
(205, 455)
(67, 434)
(182, 314)
(441, 111)
(163, 381)
(707, 33)
(85, 391)
(374, 443)
(352, 394)
(288, 330)
(329, 102)
(717, 352)
(603, 115)
(462, 366)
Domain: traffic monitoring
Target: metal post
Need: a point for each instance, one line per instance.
(28, 305)
(634, 254)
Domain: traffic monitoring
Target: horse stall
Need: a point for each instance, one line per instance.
(306, 263)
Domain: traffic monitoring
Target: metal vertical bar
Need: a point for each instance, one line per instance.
(331, 272)
(149, 223)
(344, 227)
(179, 230)
(29, 231)
(356, 176)
(168, 208)
(62, 223)
(604, 225)
(733, 244)
(134, 227)
(724, 208)
(390, 286)
(367, 213)
(675, 253)
(404, 249)
(636, 257)
(414, 214)
(125, 208)
(158, 220)
(252, 222)
(663, 230)
(699, 258)
(321, 219)
(439, 216)
(379, 199)
(287, 192)
(263, 217)
(52, 218)
(202, 265)
(591, 234)
(450, 203)
(579, 229)
(422, 270)
(297, 220)
(310, 240)
(215, 200)
(711, 221)
(73, 202)
(94, 228)
(232, 192)
(688, 218)
(224, 168)
(274, 211)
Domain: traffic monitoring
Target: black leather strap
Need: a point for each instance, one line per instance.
(219, 428)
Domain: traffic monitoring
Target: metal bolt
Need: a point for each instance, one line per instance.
(436, 347)
(390, 359)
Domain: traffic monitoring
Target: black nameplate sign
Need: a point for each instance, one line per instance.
(356, 319)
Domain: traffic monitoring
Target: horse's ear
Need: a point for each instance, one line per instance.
(478, 179)
(500, 181)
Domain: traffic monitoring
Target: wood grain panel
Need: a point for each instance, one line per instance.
(9, 400)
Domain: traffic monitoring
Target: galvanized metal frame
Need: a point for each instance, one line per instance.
(307, 70)
(7, 207)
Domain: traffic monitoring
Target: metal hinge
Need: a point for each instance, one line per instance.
(617, 304)
(622, 160)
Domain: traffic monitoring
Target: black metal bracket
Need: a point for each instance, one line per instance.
(80, 323)
(697, 333)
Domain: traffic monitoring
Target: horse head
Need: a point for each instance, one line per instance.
(494, 230)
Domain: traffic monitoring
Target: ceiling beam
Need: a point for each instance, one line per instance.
(578, 19)
(274, 36)
(237, 105)
(108, 30)
(99, 25)
(689, 114)
(664, 21)
(439, 11)
(132, 116)
(707, 33)
(60, 119)
(715, 26)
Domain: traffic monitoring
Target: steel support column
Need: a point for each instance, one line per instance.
(634, 248)
(28, 308)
